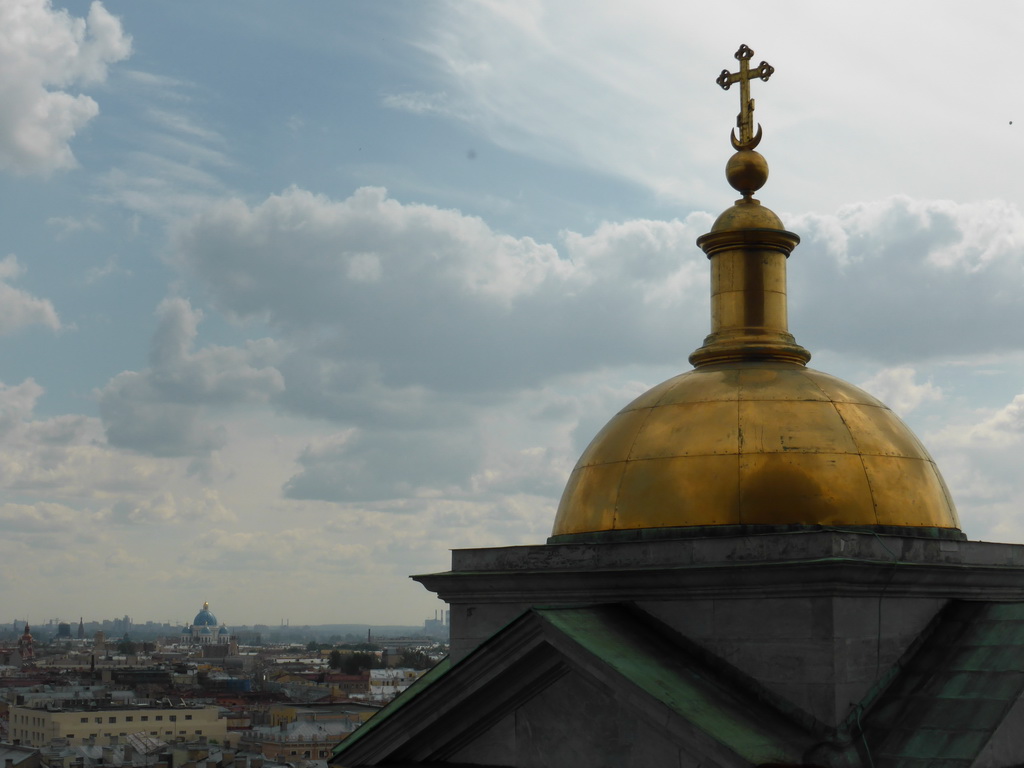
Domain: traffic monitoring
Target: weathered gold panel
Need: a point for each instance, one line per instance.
(654, 395)
(689, 490)
(841, 391)
(691, 429)
(879, 431)
(588, 503)
(771, 426)
(615, 440)
(778, 382)
(703, 385)
(950, 504)
(909, 492)
(804, 488)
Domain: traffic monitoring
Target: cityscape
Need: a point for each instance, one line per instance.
(126, 628)
(114, 691)
(402, 385)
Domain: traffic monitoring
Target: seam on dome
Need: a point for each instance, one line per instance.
(629, 458)
(860, 456)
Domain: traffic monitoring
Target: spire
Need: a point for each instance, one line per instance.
(748, 249)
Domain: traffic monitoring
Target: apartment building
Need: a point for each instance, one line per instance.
(36, 727)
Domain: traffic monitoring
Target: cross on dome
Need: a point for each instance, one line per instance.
(745, 119)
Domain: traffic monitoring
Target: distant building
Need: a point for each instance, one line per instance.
(300, 740)
(99, 725)
(344, 686)
(19, 757)
(26, 646)
(204, 629)
(437, 626)
(385, 684)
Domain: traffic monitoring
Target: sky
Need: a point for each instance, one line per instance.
(297, 297)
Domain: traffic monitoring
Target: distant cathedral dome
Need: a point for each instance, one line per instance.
(205, 618)
(752, 437)
(204, 629)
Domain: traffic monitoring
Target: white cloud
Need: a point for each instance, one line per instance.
(44, 53)
(901, 279)
(999, 430)
(175, 160)
(19, 309)
(630, 93)
(161, 411)
(420, 103)
(281, 550)
(65, 457)
(166, 507)
(356, 466)
(35, 518)
(897, 388)
(412, 295)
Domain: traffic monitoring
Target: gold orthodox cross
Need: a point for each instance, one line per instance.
(745, 119)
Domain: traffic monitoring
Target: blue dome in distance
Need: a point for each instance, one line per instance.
(204, 618)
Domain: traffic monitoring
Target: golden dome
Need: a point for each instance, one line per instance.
(752, 436)
(754, 443)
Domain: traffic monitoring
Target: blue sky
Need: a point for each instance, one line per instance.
(294, 298)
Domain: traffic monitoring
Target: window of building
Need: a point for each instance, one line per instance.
(144, 718)
(70, 736)
(99, 719)
(129, 718)
(159, 717)
(173, 718)
(111, 719)
(188, 717)
(85, 719)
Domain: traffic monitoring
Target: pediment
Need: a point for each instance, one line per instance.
(565, 680)
(610, 685)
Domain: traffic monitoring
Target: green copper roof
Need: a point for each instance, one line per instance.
(682, 684)
(955, 692)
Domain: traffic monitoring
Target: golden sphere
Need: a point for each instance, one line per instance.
(746, 171)
(754, 443)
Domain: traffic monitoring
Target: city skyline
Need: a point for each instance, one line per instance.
(297, 298)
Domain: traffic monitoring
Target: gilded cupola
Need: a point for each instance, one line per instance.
(752, 436)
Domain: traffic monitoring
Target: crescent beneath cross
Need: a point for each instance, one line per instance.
(739, 145)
